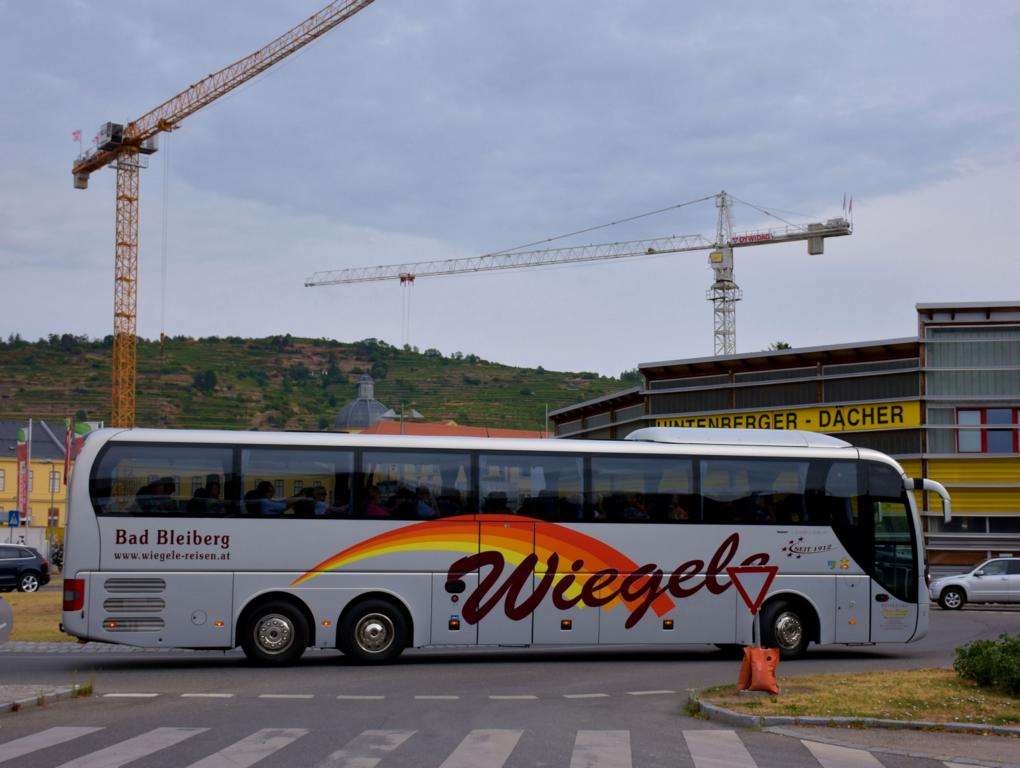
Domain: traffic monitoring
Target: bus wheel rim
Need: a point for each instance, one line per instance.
(789, 630)
(374, 633)
(29, 583)
(274, 633)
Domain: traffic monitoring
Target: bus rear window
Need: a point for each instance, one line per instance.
(163, 480)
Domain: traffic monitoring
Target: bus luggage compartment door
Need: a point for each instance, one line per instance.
(159, 609)
(853, 609)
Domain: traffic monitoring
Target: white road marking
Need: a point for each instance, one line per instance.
(601, 749)
(133, 749)
(353, 697)
(130, 695)
(718, 749)
(832, 756)
(648, 693)
(511, 697)
(286, 695)
(438, 698)
(483, 749)
(586, 695)
(48, 738)
(366, 750)
(207, 695)
(250, 750)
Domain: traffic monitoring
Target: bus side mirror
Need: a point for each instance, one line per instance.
(930, 485)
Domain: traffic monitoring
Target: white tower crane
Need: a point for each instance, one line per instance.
(723, 293)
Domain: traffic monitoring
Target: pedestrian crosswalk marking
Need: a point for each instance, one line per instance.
(250, 750)
(132, 749)
(366, 750)
(483, 749)
(480, 748)
(601, 749)
(718, 749)
(48, 738)
(833, 756)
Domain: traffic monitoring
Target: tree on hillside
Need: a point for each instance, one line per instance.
(777, 345)
(204, 381)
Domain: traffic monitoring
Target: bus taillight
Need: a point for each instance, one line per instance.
(74, 594)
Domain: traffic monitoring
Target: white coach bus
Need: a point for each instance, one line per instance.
(278, 542)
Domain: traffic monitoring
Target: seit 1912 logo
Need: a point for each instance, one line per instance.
(796, 548)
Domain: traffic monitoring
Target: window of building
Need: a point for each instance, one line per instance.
(987, 430)
(54, 481)
(31, 480)
(3, 479)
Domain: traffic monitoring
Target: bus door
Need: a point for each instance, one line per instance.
(894, 588)
(509, 621)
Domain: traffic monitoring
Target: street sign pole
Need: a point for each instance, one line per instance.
(744, 576)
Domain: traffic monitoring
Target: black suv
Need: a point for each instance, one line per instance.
(22, 568)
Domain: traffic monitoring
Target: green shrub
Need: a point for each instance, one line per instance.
(991, 664)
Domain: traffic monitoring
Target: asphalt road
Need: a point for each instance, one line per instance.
(603, 708)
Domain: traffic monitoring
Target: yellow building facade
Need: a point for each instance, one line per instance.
(945, 404)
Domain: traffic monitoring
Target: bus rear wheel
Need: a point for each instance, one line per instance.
(275, 634)
(784, 625)
(373, 632)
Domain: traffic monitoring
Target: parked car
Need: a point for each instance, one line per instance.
(22, 568)
(994, 581)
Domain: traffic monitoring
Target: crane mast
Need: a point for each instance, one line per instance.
(126, 148)
(724, 292)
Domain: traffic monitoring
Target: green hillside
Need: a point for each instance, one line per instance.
(280, 382)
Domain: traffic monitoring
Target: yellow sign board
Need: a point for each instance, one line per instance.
(825, 418)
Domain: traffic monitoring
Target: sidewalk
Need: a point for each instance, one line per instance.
(952, 742)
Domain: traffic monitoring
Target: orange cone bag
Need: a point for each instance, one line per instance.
(758, 670)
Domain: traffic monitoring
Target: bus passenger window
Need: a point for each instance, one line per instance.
(649, 489)
(284, 482)
(413, 485)
(533, 485)
(157, 480)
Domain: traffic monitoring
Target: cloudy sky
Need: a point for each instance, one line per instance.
(452, 128)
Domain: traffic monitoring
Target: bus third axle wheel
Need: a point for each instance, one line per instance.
(276, 634)
(373, 632)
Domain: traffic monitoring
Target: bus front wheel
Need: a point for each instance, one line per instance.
(373, 632)
(785, 625)
(275, 634)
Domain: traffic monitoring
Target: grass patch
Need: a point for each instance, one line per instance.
(935, 695)
(37, 616)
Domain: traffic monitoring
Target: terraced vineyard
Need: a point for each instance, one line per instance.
(279, 382)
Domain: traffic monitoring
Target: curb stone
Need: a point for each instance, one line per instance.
(23, 697)
(723, 715)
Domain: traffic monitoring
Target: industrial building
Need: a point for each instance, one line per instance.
(945, 404)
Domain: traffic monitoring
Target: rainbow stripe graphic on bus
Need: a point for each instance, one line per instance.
(569, 566)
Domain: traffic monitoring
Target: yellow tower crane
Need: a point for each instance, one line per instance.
(126, 148)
